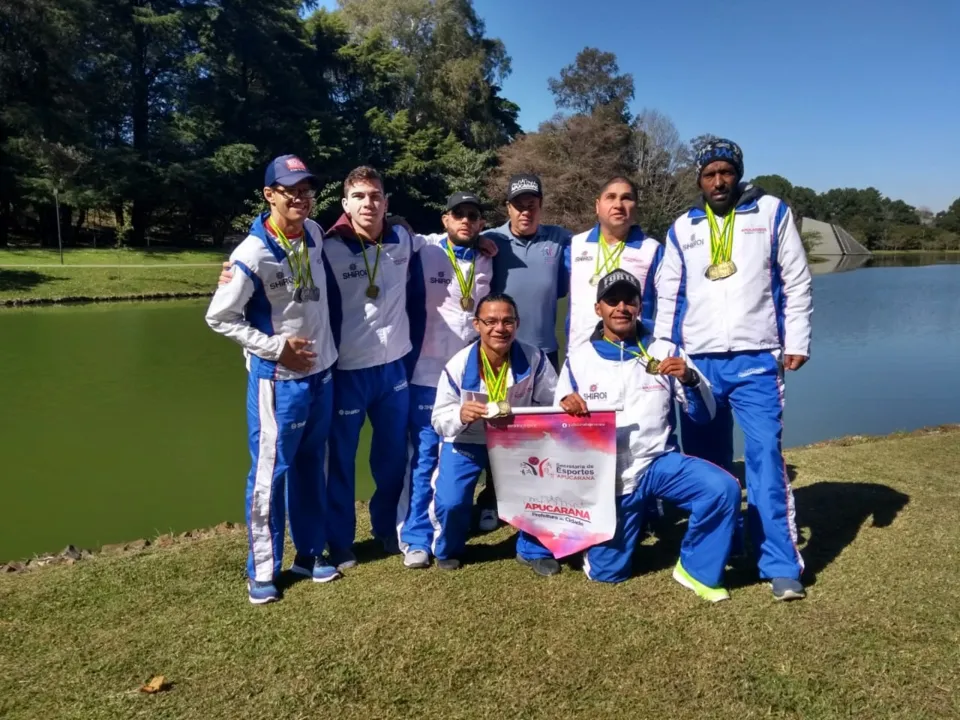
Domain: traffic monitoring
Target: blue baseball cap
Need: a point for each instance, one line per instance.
(287, 170)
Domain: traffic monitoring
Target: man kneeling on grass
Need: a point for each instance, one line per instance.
(483, 381)
(647, 375)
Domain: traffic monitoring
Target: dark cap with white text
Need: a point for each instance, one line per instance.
(524, 184)
(617, 279)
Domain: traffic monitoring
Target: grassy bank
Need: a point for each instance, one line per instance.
(35, 276)
(879, 635)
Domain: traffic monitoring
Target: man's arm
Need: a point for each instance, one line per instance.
(544, 381)
(448, 411)
(563, 272)
(690, 388)
(668, 279)
(226, 314)
(797, 303)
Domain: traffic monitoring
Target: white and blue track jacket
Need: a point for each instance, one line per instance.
(530, 381)
(257, 310)
(369, 331)
(765, 305)
(609, 375)
(641, 257)
(439, 326)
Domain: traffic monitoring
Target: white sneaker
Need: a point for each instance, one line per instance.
(488, 520)
(416, 559)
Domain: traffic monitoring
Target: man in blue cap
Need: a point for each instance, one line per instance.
(275, 308)
(734, 292)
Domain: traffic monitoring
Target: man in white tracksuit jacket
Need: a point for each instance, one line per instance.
(623, 364)
(275, 307)
(738, 300)
(496, 368)
(445, 288)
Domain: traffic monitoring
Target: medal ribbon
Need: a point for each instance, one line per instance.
(611, 258)
(371, 277)
(643, 354)
(299, 263)
(466, 284)
(721, 242)
(496, 384)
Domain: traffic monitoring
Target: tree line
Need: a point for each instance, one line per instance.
(150, 121)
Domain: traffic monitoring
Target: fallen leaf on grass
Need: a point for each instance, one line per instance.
(157, 684)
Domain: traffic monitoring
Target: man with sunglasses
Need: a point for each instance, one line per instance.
(275, 308)
(483, 380)
(445, 288)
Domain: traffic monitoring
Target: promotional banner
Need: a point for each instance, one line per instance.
(555, 476)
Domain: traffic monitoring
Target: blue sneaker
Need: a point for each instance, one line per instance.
(787, 589)
(261, 593)
(316, 568)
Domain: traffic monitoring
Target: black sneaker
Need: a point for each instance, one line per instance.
(448, 564)
(545, 567)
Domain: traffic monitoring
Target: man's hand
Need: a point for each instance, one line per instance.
(471, 411)
(678, 368)
(226, 275)
(573, 404)
(393, 220)
(487, 246)
(296, 354)
(794, 362)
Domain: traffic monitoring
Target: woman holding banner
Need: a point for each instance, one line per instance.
(623, 361)
(483, 381)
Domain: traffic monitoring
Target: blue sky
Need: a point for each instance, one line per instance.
(841, 93)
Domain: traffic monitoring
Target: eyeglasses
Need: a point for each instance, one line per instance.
(308, 194)
(471, 215)
(508, 323)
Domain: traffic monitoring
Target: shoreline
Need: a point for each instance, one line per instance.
(71, 554)
(91, 299)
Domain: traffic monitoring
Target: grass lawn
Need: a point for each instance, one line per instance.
(36, 275)
(879, 636)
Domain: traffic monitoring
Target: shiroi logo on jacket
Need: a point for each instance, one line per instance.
(354, 272)
(440, 279)
(595, 394)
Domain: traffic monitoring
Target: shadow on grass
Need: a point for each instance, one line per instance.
(829, 517)
(21, 280)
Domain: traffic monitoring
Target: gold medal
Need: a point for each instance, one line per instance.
(373, 291)
(466, 303)
(594, 279)
(653, 367)
(504, 408)
(713, 272)
(726, 269)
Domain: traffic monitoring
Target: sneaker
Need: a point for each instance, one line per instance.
(545, 567)
(488, 520)
(303, 565)
(324, 571)
(707, 593)
(391, 546)
(787, 589)
(261, 593)
(343, 560)
(416, 559)
(448, 564)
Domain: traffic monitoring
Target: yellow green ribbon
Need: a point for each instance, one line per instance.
(721, 241)
(371, 277)
(299, 263)
(496, 383)
(643, 354)
(466, 284)
(611, 258)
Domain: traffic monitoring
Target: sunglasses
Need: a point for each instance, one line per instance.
(308, 194)
(471, 215)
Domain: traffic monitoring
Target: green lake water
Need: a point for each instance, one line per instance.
(127, 420)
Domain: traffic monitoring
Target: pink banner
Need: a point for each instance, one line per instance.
(555, 476)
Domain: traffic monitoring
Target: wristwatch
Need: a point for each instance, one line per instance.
(696, 379)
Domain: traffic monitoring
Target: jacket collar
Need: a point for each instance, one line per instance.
(459, 251)
(749, 195)
(344, 230)
(259, 230)
(519, 366)
(612, 352)
(634, 239)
